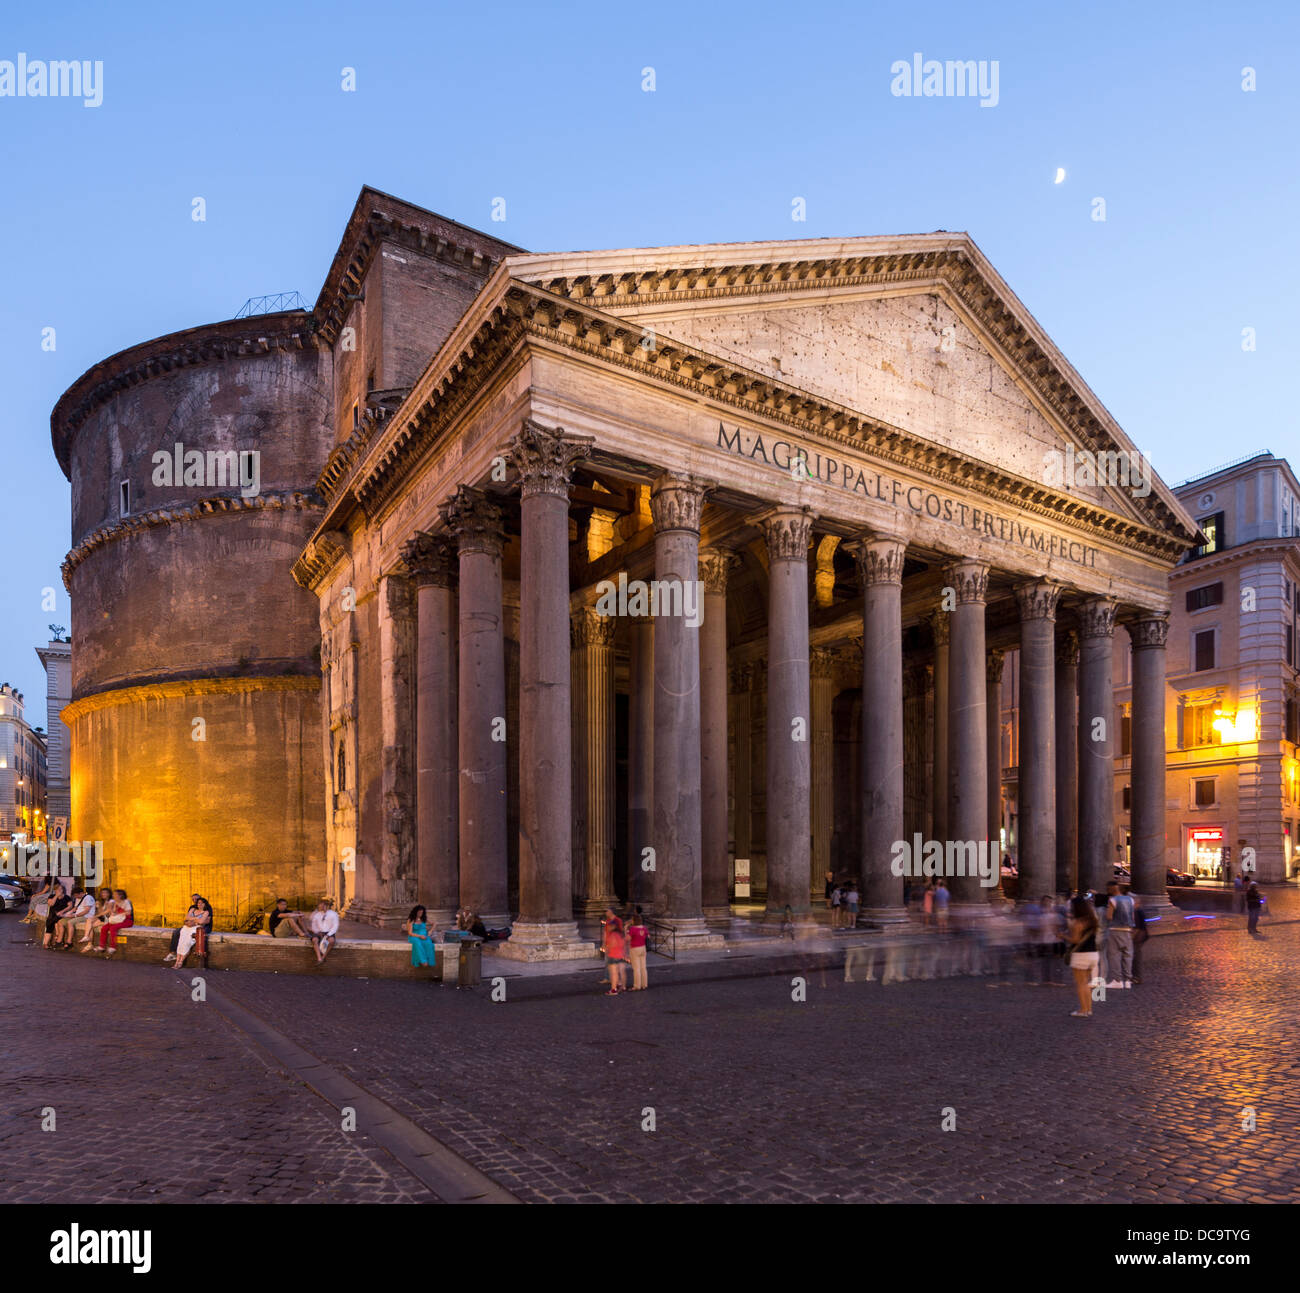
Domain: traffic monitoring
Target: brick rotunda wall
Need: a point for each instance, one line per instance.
(195, 717)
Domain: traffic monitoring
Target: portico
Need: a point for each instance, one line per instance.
(843, 447)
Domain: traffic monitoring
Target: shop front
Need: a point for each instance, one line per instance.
(1205, 852)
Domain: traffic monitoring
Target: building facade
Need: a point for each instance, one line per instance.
(56, 657)
(22, 770)
(634, 570)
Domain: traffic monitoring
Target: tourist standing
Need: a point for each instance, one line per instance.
(941, 900)
(1084, 958)
(837, 903)
(636, 950)
(1119, 937)
(853, 898)
(614, 945)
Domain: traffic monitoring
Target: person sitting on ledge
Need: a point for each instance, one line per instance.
(285, 923)
(191, 919)
(103, 909)
(84, 911)
(469, 922)
(122, 916)
(198, 923)
(324, 928)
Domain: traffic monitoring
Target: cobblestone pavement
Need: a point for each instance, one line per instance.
(755, 1096)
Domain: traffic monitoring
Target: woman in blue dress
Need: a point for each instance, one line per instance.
(423, 948)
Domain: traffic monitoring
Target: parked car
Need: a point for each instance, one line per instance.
(1178, 877)
(11, 895)
(27, 885)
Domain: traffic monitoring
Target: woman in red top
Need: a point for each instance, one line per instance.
(636, 936)
(614, 946)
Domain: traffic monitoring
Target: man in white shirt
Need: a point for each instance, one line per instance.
(324, 928)
(84, 910)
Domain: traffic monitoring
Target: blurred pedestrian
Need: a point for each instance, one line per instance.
(1119, 937)
(927, 904)
(1254, 904)
(941, 900)
(1140, 935)
(852, 899)
(1084, 958)
(837, 906)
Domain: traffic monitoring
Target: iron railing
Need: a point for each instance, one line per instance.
(661, 938)
(276, 303)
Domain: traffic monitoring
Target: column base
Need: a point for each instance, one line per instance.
(442, 917)
(594, 908)
(380, 915)
(545, 940)
(718, 917)
(1157, 904)
(886, 915)
(692, 933)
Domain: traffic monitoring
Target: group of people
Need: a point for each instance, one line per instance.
(322, 925)
(62, 912)
(843, 901)
(624, 944)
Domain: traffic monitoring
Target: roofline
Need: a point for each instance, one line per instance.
(1240, 467)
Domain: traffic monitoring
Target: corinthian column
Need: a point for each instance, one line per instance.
(593, 736)
(940, 627)
(715, 566)
(545, 929)
(968, 789)
(675, 505)
(1096, 744)
(1149, 634)
(431, 559)
(787, 531)
(1067, 763)
(993, 725)
(880, 569)
(1037, 858)
(640, 758)
(475, 522)
(397, 721)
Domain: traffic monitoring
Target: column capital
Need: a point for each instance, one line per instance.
(822, 662)
(993, 662)
(968, 579)
(716, 565)
(941, 628)
(1148, 629)
(916, 679)
(588, 627)
(880, 560)
(397, 594)
(1067, 649)
(544, 457)
(431, 559)
(1097, 618)
(1037, 599)
(676, 503)
(475, 521)
(741, 676)
(787, 532)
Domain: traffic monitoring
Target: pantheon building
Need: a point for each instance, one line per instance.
(418, 663)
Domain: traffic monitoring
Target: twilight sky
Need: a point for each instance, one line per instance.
(754, 105)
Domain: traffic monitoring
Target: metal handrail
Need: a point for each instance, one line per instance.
(661, 938)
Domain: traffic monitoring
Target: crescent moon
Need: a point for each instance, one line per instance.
(1060, 175)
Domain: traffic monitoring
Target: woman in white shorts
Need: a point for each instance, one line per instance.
(1084, 958)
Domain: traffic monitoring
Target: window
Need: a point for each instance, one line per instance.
(1207, 595)
(1128, 798)
(1203, 650)
(124, 499)
(370, 381)
(1198, 726)
(356, 415)
(1290, 644)
(1125, 736)
(1291, 730)
(1215, 539)
(1203, 792)
(341, 781)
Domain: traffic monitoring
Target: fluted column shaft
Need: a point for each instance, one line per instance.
(787, 531)
(1149, 635)
(823, 769)
(593, 737)
(880, 568)
(1096, 744)
(640, 757)
(993, 726)
(939, 734)
(676, 505)
(1037, 858)
(432, 562)
(1067, 763)
(481, 708)
(715, 566)
(968, 807)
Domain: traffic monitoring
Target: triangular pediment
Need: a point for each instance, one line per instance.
(918, 332)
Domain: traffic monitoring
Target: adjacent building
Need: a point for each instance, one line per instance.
(22, 770)
(56, 656)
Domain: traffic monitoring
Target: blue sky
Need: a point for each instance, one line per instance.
(755, 104)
